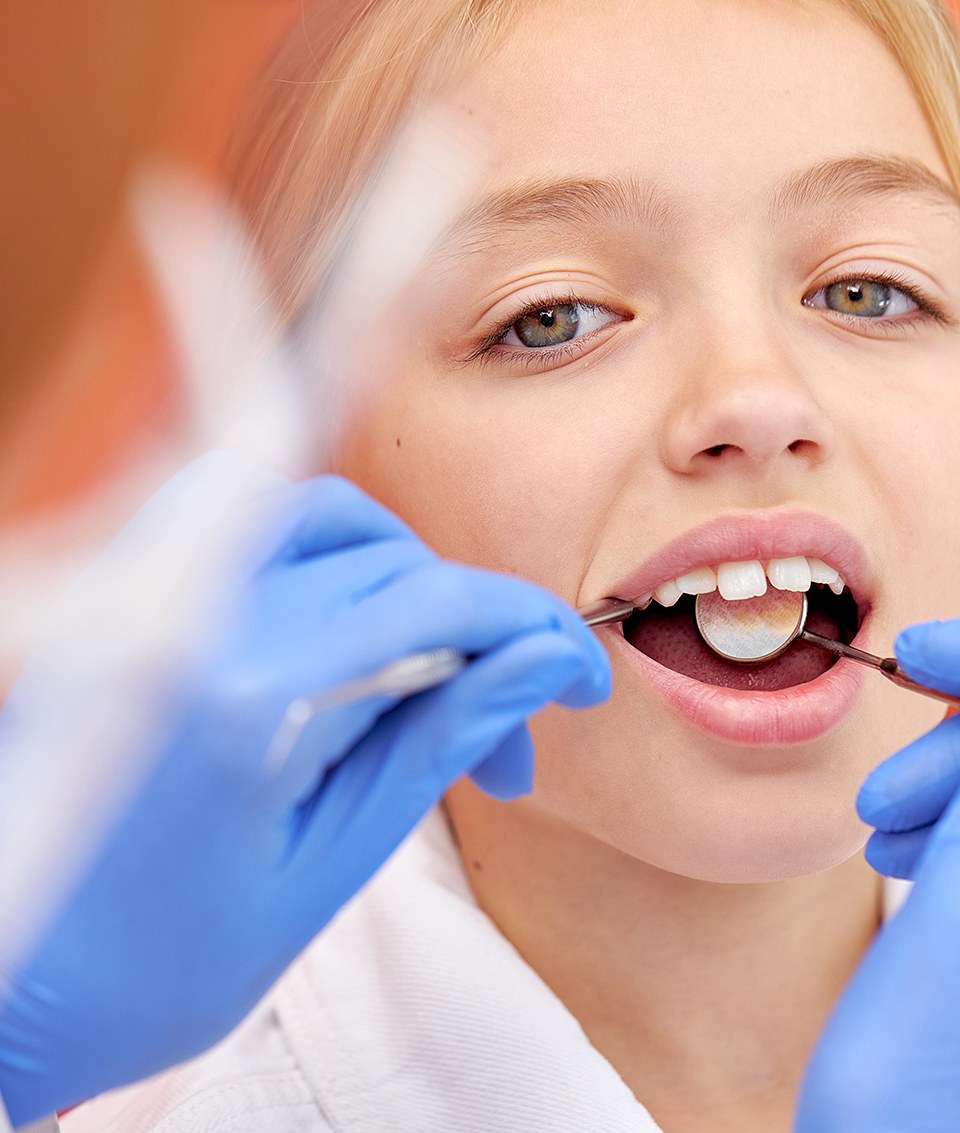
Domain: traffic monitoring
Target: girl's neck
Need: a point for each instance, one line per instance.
(706, 998)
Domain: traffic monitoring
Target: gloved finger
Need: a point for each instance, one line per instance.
(445, 604)
(508, 771)
(371, 800)
(328, 513)
(930, 653)
(897, 855)
(300, 599)
(301, 646)
(350, 612)
(911, 788)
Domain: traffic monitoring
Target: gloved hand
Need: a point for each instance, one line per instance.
(889, 1059)
(219, 874)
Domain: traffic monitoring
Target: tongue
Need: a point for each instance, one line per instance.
(670, 637)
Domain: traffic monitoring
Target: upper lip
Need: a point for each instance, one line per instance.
(746, 535)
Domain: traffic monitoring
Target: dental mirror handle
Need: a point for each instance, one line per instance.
(606, 611)
(886, 665)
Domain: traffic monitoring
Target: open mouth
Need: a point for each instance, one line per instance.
(664, 628)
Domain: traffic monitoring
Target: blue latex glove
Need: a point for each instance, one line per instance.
(219, 875)
(889, 1060)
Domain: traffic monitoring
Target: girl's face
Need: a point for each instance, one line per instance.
(702, 308)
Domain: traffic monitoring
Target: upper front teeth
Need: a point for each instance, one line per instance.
(741, 580)
(736, 581)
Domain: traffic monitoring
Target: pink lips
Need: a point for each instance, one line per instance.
(787, 716)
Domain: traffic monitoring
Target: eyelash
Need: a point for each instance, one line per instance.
(926, 304)
(532, 357)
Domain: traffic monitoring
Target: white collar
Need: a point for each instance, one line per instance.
(413, 1013)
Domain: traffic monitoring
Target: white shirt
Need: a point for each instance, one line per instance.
(410, 1014)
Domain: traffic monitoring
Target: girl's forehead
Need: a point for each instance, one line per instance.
(695, 95)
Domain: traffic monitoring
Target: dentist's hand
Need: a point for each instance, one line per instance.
(889, 1060)
(220, 873)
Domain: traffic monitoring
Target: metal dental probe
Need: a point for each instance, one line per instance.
(886, 665)
(406, 676)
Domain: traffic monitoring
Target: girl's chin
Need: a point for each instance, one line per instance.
(752, 861)
(726, 829)
(722, 840)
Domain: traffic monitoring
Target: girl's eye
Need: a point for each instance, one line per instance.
(556, 324)
(864, 298)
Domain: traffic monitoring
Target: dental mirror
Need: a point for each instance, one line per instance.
(755, 630)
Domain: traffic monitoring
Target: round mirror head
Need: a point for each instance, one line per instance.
(754, 629)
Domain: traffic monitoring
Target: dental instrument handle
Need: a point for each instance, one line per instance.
(606, 611)
(416, 672)
(886, 665)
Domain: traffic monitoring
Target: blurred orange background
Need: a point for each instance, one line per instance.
(112, 380)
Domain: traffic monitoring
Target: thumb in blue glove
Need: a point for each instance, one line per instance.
(906, 795)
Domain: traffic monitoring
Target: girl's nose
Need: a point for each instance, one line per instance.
(745, 415)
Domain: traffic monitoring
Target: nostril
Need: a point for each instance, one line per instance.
(802, 447)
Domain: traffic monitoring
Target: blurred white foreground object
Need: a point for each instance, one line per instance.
(113, 657)
(89, 713)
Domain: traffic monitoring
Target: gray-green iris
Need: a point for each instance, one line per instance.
(858, 297)
(550, 326)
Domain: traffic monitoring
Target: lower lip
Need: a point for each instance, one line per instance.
(753, 719)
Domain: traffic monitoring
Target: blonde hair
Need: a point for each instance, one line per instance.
(325, 112)
(323, 117)
(923, 36)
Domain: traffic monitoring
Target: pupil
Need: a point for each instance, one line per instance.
(547, 318)
(855, 293)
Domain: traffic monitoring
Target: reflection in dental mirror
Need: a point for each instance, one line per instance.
(753, 630)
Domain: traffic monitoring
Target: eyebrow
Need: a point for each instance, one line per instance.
(573, 200)
(847, 179)
(577, 201)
